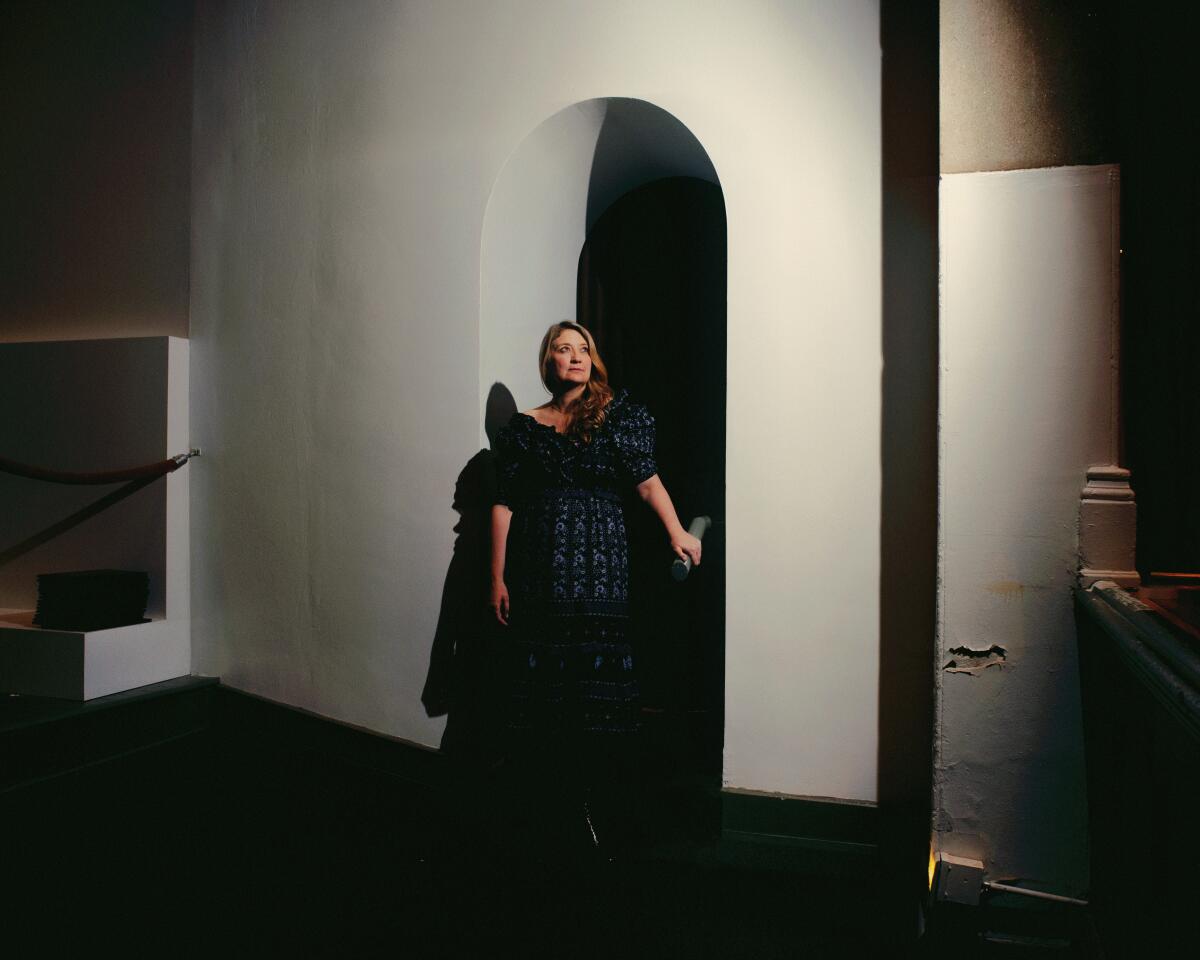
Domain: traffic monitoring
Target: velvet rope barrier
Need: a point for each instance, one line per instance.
(74, 520)
(149, 471)
(135, 478)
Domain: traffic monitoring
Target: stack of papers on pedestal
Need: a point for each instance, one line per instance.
(91, 599)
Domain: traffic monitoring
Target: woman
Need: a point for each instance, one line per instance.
(560, 557)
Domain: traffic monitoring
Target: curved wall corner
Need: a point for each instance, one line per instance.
(554, 186)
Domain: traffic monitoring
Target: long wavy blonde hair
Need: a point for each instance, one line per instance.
(585, 415)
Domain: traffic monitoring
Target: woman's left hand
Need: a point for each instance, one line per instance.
(685, 545)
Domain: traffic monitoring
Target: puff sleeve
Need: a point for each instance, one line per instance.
(635, 435)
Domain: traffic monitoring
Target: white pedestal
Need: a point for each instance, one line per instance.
(1108, 528)
(95, 405)
(74, 665)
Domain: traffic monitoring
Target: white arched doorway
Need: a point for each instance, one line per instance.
(611, 212)
(553, 188)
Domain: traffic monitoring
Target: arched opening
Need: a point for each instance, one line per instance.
(611, 212)
(652, 290)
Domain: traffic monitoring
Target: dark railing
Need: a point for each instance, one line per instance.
(1140, 685)
(681, 568)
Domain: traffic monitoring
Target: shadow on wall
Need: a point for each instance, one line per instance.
(464, 662)
(908, 438)
(652, 286)
(639, 143)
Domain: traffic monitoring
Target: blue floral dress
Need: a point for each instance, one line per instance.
(567, 571)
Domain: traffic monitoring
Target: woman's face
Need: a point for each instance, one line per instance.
(572, 363)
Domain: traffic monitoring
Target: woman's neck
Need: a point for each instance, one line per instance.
(561, 401)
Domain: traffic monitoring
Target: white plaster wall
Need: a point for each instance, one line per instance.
(343, 163)
(1029, 290)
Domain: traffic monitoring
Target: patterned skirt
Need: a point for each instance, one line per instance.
(572, 679)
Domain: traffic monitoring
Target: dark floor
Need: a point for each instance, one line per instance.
(206, 845)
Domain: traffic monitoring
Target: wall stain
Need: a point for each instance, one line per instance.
(1006, 588)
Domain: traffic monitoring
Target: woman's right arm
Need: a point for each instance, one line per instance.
(498, 597)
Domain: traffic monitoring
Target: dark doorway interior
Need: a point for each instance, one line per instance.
(652, 288)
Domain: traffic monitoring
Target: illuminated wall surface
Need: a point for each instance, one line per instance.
(1028, 268)
(1027, 308)
(345, 171)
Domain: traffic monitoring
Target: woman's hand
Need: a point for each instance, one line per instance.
(685, 545)
(499, 601)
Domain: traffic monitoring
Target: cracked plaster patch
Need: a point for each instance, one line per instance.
(971, 662)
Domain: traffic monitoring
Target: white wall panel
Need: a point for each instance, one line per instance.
(1029, 293)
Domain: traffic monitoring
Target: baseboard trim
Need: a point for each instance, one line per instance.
(750, 828)
(280, 727)
(818, 823)
(42, 738)
(750, 820)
